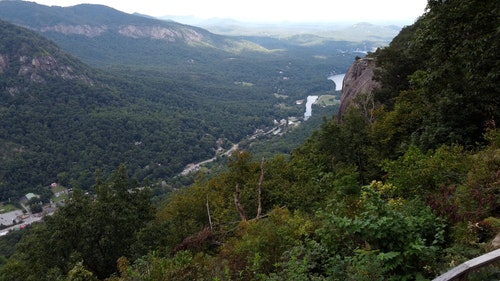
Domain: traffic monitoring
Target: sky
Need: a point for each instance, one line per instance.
(269, 10)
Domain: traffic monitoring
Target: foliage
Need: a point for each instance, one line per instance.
(400, 191)
(416, 173)
(183, 266)
(400, 238)
(88, 234)
(478, 197)
(58, 131)
(456, 72)
(337, 145)
(259, 245)
(79, 273)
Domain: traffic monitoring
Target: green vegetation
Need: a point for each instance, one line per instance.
(7, 208)
(166, 118)
(402, 190)
(171, 101)
(327, 100)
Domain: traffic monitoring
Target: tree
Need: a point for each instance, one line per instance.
(91, 230)
(461, 38)
(400, 239)
(79, 273)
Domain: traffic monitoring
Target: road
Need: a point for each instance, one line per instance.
(27, 221)
(195, 167)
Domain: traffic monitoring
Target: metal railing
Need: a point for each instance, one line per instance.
(465, 268)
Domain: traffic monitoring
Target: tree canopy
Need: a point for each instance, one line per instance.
(401, 191)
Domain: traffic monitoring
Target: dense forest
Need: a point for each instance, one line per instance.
(58, 129)
(405, 187)
(172, 101)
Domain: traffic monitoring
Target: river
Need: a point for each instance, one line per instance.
(310, 101)
(337, 79)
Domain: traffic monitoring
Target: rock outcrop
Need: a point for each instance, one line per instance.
(358, 80)
(495, 244)
(38, 68)
(3, 63)
(155, 32)
(85, 30)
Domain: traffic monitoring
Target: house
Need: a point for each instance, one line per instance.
(26, 198)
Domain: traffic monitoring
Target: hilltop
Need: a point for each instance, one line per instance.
(63, 120)
(404, 187)
(175, 92)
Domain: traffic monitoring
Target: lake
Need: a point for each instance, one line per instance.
(337, 79)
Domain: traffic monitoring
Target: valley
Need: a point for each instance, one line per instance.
(172, 89)
(135, 148)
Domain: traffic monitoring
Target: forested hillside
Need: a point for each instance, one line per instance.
(158, 95)
(94, 32)
(62, 121)
(405, 187)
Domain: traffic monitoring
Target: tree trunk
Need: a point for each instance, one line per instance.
(243, 216)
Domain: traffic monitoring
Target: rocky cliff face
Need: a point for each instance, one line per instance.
(96, 20)
(37, 68)
(26, 57)
(155, 32)
(358, 80)
(3, 63)
(85, 29)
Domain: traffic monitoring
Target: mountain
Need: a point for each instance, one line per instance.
(108, 39)
(94, 32)
(34, 59)
(62, 120)
(85, 29)
(358, 81)
(97, 20)
(158, 95)
(406, 187)
(357, 32)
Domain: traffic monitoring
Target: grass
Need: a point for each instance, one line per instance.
(327, 100)
(60, 198)
(57, 188)
(7, 208)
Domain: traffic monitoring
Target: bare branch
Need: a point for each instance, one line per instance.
(243, 216)
(259, 198)
(209, 217)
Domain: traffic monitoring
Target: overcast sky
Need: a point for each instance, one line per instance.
(269, 10)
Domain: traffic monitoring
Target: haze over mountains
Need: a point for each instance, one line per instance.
(176, 92)
(404, 185)
(104, 25)
(358, 31)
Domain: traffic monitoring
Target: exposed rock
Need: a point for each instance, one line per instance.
(13, 91)
(86, 30)
(35, 77)
(3, 63)
(496, 242)
(153, 32)
(37, 69)
(133, 31)
(160, 33)
(23, 59)
(358, 80)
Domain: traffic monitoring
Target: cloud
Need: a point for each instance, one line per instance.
(268, 10)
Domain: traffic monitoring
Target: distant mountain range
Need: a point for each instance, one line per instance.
(356, 32)
(110, 88)
(85, 29)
